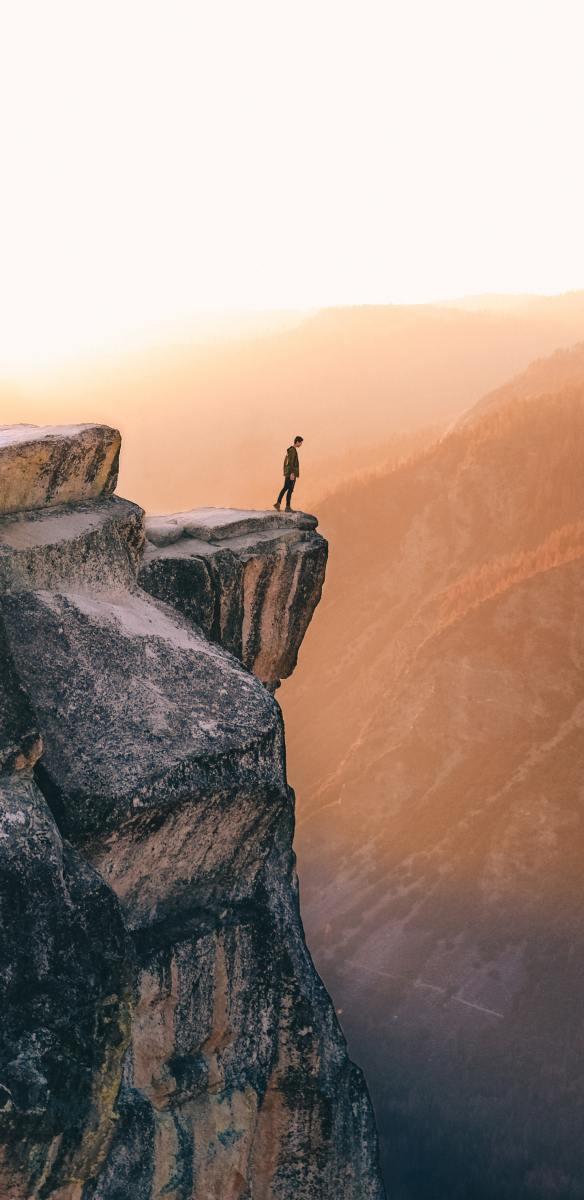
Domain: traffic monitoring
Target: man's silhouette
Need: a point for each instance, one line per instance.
(291, 473)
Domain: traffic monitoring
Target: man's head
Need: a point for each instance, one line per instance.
(298, 441)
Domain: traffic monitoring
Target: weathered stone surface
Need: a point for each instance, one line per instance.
(237, 1069)
(43, 465)
(20, 741)
(250, 581)
(218, 524)
(64, 995)
(148, 713)
(93, 545)
(238, 1055)
(164, 766)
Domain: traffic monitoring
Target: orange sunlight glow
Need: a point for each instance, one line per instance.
(163, 158)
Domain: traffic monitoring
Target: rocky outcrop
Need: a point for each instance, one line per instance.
(166, 1033)
(85, 546)
(250, 580)
(55, 465)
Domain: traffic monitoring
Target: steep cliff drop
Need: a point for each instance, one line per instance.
(164, 1032)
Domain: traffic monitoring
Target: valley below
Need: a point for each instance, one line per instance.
(435, 722)
(436, 742)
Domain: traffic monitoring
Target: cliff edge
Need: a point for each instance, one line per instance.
(165, 1034)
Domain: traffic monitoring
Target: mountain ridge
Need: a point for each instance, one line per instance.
(439, 758)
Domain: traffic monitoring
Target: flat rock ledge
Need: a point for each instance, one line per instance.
(220, 524)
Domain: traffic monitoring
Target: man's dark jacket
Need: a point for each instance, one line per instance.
(291, 463)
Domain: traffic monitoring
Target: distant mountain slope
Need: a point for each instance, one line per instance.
(564, 368)
(208, 423)
(439, 764)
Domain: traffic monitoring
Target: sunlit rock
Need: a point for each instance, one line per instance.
(44, 465)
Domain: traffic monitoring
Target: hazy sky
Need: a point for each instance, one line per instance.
(160, 158)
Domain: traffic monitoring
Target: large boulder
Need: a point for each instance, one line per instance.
(94, 544)
(140, 713)
(45, 465)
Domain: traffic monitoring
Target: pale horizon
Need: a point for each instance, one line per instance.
(218, 326)
(163, 161)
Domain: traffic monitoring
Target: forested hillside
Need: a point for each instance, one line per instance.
(438, 758)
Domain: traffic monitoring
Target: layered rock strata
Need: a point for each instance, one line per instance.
(166, 1033)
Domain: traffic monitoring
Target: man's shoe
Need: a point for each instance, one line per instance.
(277, 507)
(289, 509)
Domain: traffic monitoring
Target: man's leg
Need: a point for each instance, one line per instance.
(289, 489)
(281, 496)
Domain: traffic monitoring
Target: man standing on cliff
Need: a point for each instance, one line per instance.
(291, 473)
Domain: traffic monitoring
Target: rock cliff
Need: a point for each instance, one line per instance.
(164, 1031)
(251, 584)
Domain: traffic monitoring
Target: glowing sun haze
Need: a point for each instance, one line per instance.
(164, 159)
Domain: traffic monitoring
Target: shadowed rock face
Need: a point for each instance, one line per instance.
(251, 581)
(166, 1033)
(65, 978)
(20, 742)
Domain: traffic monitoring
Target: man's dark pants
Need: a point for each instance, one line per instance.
(287, 491)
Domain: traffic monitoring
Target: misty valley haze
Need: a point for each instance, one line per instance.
(207, 423)
(436, 742)
(435, 724)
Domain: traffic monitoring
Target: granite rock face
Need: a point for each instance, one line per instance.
(46, 465)
(166, 1036)
(20, 741)
(85, 545)
(250, 580)
(65, 977)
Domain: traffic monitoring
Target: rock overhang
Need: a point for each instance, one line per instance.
(250, 580)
